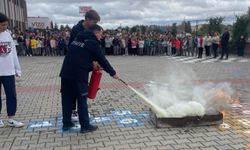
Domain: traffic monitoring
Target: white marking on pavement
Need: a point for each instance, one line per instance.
(246, 112)
(195, 60)
(244, 122)
(229, 60)
(179, 57)
(244, 60)
(186, 58)
(210, 60)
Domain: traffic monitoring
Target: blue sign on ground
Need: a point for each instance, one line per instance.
(123, 118)
(144, 114)
(60, 125)
(129, 122)
(40, 124)
(121, 112)
(99, 119)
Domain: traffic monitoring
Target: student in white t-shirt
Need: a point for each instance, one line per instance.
(9, 68)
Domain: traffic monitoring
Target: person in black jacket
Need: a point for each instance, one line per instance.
(75, 73)
(224, 43)
(241, 43)
(91, 18)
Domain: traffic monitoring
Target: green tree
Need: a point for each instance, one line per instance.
(62, 28)
(134, 29)
(215, 24)
(67, 27)
(204, 29)
(174, 29)
(143, 29)
(155, 29)
(240, 27)
(56, 27)
(188, 28)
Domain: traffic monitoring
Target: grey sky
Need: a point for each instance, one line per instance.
(131, 12)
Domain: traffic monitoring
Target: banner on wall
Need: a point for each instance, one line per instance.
(39, 23)
(84, 9)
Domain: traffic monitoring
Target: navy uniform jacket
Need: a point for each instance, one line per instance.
(79, 60)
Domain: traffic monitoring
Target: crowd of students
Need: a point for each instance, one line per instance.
(47, 44)
(163, 44)
(124, 43)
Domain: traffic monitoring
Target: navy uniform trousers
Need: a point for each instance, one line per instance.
(69, 89)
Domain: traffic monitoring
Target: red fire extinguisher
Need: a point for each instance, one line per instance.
(94, 83)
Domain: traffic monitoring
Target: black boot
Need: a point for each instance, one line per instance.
(89, 128)
(67, 127)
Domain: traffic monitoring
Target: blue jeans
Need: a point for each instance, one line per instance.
(70, 88)
(9, 85)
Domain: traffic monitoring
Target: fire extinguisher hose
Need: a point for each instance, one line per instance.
(158, 110)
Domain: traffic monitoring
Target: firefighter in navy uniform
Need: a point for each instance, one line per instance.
(75, 73)
(91, 17)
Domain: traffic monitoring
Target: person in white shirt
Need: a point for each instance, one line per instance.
(208, 43)
(39, 46)
(9, 68)
(215, 42)
(141, 46)
(108, 44)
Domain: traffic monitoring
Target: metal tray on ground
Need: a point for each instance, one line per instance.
(206, 120)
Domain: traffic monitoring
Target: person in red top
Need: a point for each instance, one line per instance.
(173, 41)
(177, 46)
(134, 46)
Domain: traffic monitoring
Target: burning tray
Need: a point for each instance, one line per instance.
(206, 120)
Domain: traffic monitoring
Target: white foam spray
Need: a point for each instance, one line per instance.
(180, 96)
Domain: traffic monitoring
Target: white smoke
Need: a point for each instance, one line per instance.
(181, 96)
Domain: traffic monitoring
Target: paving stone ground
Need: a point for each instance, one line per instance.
(123, 118)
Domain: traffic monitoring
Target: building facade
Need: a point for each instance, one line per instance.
(16, 11)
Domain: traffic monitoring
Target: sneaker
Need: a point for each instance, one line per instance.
(14, 123)
(1, 124)
(89, 128)
(74, 116)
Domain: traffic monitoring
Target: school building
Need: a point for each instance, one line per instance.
(16, 11)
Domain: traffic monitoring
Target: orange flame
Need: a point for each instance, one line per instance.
(223, 113)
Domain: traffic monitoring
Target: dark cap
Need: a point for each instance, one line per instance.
(3, 18)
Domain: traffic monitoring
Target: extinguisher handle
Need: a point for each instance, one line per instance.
(123, 82)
